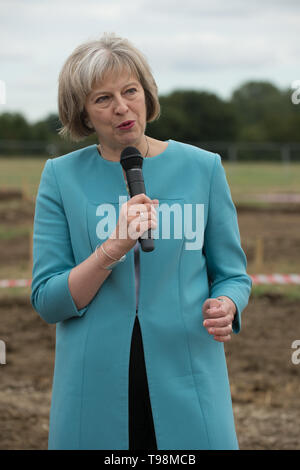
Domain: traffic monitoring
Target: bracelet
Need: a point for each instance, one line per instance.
(116, 261)
(101, 246)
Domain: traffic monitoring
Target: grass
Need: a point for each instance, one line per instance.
(22, 173)
(15, 292)
(21, 270)
(252, 178)
(9, 233)
(291, 292)
(244, 178)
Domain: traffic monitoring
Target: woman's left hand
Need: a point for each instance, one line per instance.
(218, 317)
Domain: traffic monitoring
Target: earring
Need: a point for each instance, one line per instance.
(89, 124)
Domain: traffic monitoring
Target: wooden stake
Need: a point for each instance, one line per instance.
(259, 254)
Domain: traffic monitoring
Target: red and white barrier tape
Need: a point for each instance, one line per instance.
(15, 282)
(275, 278)
(256, 279)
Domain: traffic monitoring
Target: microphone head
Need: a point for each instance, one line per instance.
(131, 158)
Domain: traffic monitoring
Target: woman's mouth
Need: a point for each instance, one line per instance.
(126, 125)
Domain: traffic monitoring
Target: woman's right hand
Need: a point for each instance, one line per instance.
(131, 225)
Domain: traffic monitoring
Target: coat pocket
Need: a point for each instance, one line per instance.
(101, 219)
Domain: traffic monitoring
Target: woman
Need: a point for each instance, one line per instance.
(137, 366)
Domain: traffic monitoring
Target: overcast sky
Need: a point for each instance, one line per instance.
(212, 45)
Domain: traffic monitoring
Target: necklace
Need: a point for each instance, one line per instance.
(147, 147)
(146, 154)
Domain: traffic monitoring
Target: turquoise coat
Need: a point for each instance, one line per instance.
(186, 368)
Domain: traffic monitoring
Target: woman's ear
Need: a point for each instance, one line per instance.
(86, 121)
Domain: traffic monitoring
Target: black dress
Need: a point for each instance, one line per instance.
(141, 426)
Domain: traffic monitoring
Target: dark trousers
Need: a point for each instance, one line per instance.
(141, 426)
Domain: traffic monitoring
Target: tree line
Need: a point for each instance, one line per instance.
(257, 111)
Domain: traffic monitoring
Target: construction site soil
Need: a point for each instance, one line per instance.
(264, 380)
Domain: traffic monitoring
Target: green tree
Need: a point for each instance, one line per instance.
(13, 126)
(263, 112)
(194, 116)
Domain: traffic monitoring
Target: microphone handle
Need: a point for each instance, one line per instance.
(136, 186)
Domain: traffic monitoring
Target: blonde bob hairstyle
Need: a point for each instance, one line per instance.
(90, 63)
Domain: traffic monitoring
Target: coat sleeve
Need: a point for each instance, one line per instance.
(225, 259)
(53, 257)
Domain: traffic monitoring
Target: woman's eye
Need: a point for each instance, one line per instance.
(131, 91)
(101, 99)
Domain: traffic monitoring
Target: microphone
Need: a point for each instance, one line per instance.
(132, 162)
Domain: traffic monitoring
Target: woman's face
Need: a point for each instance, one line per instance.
(116, 109)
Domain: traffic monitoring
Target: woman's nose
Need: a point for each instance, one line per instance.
(120, 105)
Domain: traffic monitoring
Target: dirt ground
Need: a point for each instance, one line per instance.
(264, 381)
